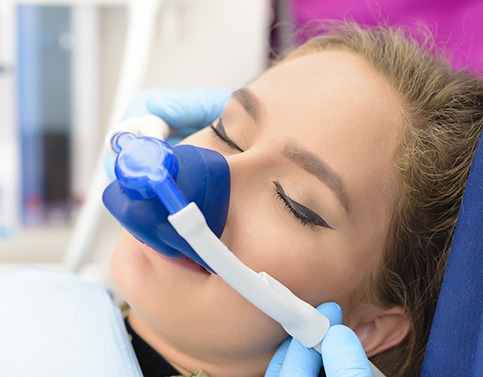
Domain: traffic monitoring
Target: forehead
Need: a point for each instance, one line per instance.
(339, 108)
(335, 80)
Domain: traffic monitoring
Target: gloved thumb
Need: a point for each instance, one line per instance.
(343, 354)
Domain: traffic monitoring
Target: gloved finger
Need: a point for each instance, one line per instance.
(293, 359)
(276, 362)
(302, 361)
(332, 311)
(343, 354)
(182, 108)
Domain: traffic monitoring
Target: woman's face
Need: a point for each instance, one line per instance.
(310, 146)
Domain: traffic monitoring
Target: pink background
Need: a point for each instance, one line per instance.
(458, 24)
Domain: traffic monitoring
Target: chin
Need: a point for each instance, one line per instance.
(187, 307)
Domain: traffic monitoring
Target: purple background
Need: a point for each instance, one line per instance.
(457, 24)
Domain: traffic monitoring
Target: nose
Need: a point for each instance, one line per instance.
(249, 172)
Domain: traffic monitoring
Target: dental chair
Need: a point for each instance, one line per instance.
(455, 346)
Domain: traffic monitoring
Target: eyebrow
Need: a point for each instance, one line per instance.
(250, 103)
(315, 166)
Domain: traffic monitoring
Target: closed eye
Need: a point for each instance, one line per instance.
(303, 214)
(300, 212)
(219, 131)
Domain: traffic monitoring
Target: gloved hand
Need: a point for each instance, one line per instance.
(184, 110)
(342, 353)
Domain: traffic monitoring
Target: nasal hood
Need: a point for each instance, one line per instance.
(203, 178)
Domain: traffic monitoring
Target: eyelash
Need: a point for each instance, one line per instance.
(308, 218)
(289, 204)
(300, 217)
(223, 137)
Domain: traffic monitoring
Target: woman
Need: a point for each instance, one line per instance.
(348, 161)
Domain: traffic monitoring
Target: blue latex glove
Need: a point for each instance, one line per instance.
(342, 353)
(185, 110)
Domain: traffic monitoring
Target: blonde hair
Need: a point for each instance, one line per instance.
(443, 120)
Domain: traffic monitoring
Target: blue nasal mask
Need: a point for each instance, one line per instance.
(154, 180)
(176, 201)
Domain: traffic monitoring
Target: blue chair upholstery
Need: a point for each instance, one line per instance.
(455, 346)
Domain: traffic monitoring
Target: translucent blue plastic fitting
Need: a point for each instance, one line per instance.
(155, 180)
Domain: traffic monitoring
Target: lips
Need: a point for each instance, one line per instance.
(183, 262)
(188, 263)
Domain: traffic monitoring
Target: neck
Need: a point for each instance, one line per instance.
(186, 364)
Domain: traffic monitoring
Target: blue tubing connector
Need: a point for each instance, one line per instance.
(155, 180)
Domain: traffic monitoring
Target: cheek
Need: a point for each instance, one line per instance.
(200, 316)
(130, 268)
(312, 271)
(317, 268)
(143, 279)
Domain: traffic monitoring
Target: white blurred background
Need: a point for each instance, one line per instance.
(67, 71)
